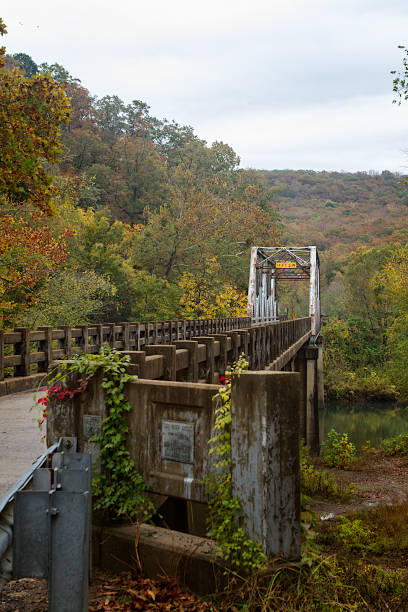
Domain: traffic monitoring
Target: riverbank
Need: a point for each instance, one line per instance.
(358, 391)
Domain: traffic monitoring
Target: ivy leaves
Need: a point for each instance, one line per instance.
(119, 490)
(240, 552)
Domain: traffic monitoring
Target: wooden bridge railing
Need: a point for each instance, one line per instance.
(24, 351)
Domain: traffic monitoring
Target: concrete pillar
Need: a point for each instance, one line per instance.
(169, 354)
(192, 347)
(320, 377)
(312, 405)
(265, 458)
(300, 367)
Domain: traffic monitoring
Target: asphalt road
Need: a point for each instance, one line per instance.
(20, 438)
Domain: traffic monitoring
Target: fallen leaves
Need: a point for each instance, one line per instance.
(129, 594)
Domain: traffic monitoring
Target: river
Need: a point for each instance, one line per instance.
(373, 421)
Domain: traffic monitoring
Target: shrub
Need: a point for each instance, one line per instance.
(354, 535)
(396, 447)
(338, 451)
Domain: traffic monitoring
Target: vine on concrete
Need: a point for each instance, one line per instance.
(119, 489)
(224, 522)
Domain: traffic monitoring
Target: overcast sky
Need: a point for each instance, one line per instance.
(287, 83)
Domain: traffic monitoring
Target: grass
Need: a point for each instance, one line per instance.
(323, 584)
(315, 483)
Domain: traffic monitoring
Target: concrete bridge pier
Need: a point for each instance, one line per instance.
(265, 458)
(309, 363)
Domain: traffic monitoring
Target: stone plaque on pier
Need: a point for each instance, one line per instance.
(178, 441)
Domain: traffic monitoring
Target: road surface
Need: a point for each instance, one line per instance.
(20, 438)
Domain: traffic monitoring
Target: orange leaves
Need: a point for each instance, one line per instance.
(28, 253)
(130, 594)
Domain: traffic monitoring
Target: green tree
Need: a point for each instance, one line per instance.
(58, 73)
(70, 297)
(26, 64)
(362, 298)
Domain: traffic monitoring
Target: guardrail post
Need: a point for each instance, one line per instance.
(192, 347)
(67, 342)
(125, 336)
(210, 360)
(23, 348)
(265, 458)
(222, 359)
(84, 338)
(244, 334)
(110, 339)
(169, 354)
(235, 342)
(46, 347)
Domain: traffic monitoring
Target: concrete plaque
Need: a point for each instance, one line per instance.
(91, 425)
(178, 441)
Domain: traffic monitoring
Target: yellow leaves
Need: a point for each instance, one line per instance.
(206, 296)
(31, 111)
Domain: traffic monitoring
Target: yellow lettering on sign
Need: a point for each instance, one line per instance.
(286, 264)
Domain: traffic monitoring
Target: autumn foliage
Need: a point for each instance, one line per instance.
(31, 111)
(28, 254)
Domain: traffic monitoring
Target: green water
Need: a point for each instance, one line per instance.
(373, 421)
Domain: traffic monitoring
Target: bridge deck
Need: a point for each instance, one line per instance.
(20, 438)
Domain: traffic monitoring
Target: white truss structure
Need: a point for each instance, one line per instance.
(272, 265)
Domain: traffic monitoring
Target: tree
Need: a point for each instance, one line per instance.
(70, 297)
(400, 82)
(58, 73)
(31, 111)
(205, 295)
(29, 252)
(153, 298)
(392, 284)
(26, 64)
(363, 299)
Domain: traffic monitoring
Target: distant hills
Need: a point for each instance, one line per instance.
(340, 211)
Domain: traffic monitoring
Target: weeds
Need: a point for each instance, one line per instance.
(378, 531)
(396, 447)
(338, 451)
(354, 535)
(327, 585)
(315, 483)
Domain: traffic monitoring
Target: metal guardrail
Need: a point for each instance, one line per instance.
(45, 526)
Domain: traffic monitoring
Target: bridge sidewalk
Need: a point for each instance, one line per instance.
(20, 438)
